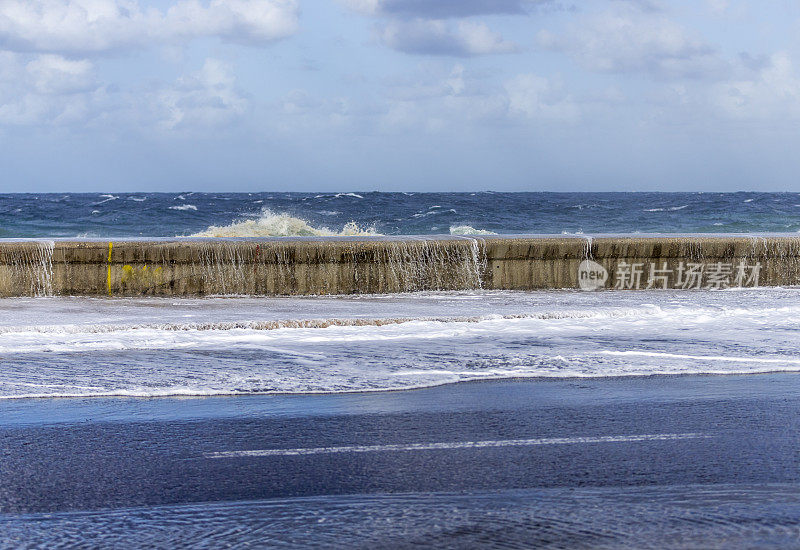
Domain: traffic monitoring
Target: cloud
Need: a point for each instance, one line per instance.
(465, 39)
(535, 96)
(208, 98)
(441, 9)
(53, 74)
(718, 7)
(87, 26)
(46, 90)
(300, 102)
(652, 6)
(432, 99)
(426, 27)
(634, 41)
(441, 100)
(773, 92)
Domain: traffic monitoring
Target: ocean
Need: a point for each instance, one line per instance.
(122, 215)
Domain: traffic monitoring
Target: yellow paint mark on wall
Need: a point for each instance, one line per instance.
(127, 273)
(108, 272)
(141, 279)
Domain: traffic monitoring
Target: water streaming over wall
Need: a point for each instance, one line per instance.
(30, 267)
(408, 265)
(437, 265)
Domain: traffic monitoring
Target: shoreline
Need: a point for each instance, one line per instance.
(402, 389)
(452, 397)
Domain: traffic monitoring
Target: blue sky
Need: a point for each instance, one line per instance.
(247, 95)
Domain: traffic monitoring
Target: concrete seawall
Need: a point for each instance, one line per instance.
(379, 265)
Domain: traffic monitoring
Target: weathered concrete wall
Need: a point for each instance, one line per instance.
(343, 266)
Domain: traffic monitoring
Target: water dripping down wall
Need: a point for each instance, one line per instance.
(29, 267)
(406, 265)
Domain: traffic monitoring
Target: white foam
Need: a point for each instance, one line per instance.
(669, 209)
(271, 224)
(223, 346)
(715, 358)
(469, 230)
(452, 445)
(184, 207)
(106, 198)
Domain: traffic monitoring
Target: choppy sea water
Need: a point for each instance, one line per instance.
(318, 214)
(81, 346)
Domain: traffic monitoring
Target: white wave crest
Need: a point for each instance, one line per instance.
(184, 207)
(272, 224)
(106, 198)
(670, 209)
(469, 230)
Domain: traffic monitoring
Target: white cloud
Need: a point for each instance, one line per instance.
(303, 114)
(442, 100)
(435, 37)
(53, 74)
(366, 7)
(207, 98)
(84, 26)
(300, 102)
(537, 97)
(442, 27)
(46, 89)
(634, 41)
(438, 9)
(439, 98)
(773, 92)
(718, 7)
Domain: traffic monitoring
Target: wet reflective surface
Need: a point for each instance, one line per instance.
(723, 516)
(659, 462)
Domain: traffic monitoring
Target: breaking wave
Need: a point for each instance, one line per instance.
(469, 230)
(273, 224)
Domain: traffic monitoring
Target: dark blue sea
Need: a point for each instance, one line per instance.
(317, 214)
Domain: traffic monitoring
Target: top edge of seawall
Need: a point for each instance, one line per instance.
(560, 237)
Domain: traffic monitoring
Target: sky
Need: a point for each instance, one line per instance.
(399, 95)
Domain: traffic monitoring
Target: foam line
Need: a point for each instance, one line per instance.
(726, 358)
(322, 323)
(457, 445)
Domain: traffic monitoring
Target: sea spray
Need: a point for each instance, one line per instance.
(469, 230)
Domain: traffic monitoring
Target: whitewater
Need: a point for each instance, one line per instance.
(150, 347)
(231, 345)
